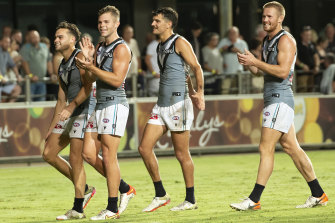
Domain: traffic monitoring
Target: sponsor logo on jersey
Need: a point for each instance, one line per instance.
(168, 51)
(105, 120)
(154, 116)
(175, 118)
(267, 113)
(76, 124)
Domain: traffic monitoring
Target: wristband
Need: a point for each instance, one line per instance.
(30, 75)
(153, 73)
(1, 77)
(213, 71)
(140, 70)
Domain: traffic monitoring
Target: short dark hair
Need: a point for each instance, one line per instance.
(112, 10)
(73, 29)
(196, 25)
(168, 13)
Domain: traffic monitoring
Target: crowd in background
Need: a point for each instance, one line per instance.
(28, 56)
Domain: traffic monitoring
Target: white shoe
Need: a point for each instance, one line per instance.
(88, 195)
(314, 201)
(185, 206)
(71, 214)
(125, 198)
(246, 204)
(157, 202)
(105, 214)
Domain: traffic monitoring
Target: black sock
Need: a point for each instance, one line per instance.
(256, 193)
(190, 195)
(159, 189)
(315, 188)
(78, 205)
(112, 204)
(124, 187)
(86, 187)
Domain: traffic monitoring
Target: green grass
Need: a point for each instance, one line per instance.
(39, 193)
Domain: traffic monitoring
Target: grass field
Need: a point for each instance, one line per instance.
(39, 193)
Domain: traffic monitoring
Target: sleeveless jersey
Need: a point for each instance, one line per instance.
(173, 73)
(70, 81)
(276, 89)
(106, 94)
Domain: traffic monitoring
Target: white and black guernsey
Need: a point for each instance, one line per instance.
(106, 94)
(276, 89)
(71, 83)
(173, 73)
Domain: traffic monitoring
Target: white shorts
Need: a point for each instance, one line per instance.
(177, 117)
(74, 126)
(111, 120)
(278, 116)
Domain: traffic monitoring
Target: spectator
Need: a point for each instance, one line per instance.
(321, 46)
(287, 29)
(152, 68)
(308, 61)
(8, 84)
(6, 31)
(17, 36)
(36, 64)
(193, 38)
(257, 82)
(135, 67)
(52, 86)
(327, 85)
(213, 63)
(229, 46)
(260, 33)
(330, 34)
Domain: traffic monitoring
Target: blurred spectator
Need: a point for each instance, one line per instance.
(321, 46)
(229, 46)
(193, 38)
(36, 64)
(17, 36)
(315, 36)
(6, 31)
(330, 34)
(88, 36)
(135, 67)
(8, 83)
(260, 33)
(308, 61)
(152, 68)
(213, 63)
(257, 82)
(287, 29)
(327, 85)
(52, 86)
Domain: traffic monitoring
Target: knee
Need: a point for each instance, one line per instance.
(48, 156)
(266, 150)
(88, 157)
(143, 152)
(183, 156)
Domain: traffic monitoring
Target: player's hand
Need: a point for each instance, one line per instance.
(198, 100)
(87, 48)
(84, 64)
(67, 112)
(247, 58)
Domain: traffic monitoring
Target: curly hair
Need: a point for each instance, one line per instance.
(73, 29)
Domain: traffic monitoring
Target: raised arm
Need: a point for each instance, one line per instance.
(121, 59)
(285, 58)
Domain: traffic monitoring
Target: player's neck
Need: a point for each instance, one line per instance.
(164, 36)
(274, 32)
(67, 53)
(111, 38)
